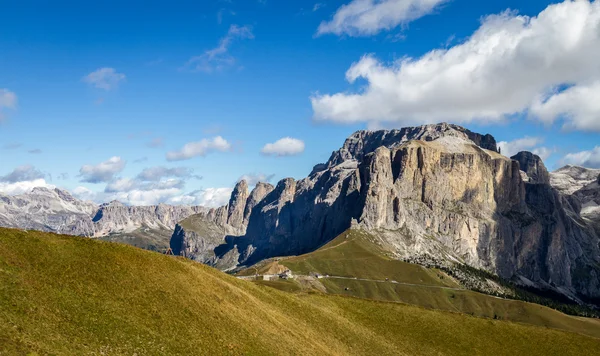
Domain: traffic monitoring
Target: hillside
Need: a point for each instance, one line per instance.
(356, 254)
(69, 295)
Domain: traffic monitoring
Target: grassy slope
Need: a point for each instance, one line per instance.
(68, 295)
(151, 239)
(354, 254)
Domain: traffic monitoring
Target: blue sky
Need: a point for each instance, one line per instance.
(93, 95)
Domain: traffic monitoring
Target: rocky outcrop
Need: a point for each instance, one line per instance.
(533, 166)
(237, 205)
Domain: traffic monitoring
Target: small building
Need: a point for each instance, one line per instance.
(287, 274)
(270, 277)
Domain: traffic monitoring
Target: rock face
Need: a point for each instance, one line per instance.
(115, 217)
(58, 211)
(198, 236)
(45, 209)
(533, 166)
(439, 191)
(579, 188)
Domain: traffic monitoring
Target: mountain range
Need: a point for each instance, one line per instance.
(435, 194)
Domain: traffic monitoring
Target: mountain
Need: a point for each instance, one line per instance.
(431, 194)
(45, 209)
(581, 187)
(56, 210)
(64, 295)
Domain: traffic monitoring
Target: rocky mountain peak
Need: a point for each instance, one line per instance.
(260, 191)
(41, 191)
(237, 204)
(533, 166)
(364, 142)
(570, 178)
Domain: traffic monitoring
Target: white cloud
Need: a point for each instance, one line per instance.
(200, 148)
(253, 178)
(543, 152)
(84, 193)
(145, 197)
(286, 146)
(511, 148)
(22, 180)
(317, 6)
(8, 100)
(209, 197)
(104, 78)
(26, 173)
(369, 17)
(589, 159)
(219, 58)
(23, 186)
(102, 172)
(511, 64)
(579, 106)
(158, 173)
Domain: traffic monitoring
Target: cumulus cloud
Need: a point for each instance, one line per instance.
(511, 65)
(254, 178)
(589, 159)
(84, 193)
(103, 172)
(219, 58)
(22, 174)
(24, 186)
(131, 185)
(369, 17)
(531, 144)
(209, 197)
(579, 106)
(168, 192)
(158, 173)
(200, 148)
(22, 179)
(104, 78)
(286, 146)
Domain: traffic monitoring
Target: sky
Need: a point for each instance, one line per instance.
(173, 102)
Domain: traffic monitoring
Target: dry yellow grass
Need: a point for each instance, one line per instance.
(74, 296)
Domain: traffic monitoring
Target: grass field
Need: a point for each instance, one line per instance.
(355, 254)
(68, 295)
(147, 239)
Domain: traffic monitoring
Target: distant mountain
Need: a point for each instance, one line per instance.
(56, 210)
(582, 188)
(431, 193)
